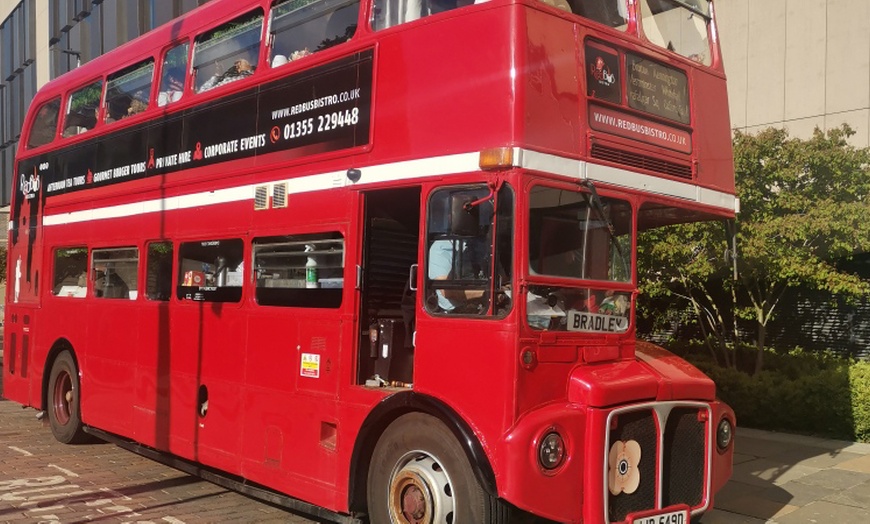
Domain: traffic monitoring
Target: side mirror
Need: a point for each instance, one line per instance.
(464, 218)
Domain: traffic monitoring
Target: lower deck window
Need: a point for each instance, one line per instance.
(211, 270)
(70, 272)
(115, 272)
(300, 271)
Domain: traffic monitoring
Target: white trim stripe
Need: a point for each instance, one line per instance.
(407, 170)
(621, 177)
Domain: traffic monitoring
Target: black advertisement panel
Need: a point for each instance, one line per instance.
(657, 89)
(327, 108)
(602, 73)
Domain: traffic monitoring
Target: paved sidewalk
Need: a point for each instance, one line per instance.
(785, 479)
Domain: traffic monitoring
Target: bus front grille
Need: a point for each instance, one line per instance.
(683, 465)
(671, 438)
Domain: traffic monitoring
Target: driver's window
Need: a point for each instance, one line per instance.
(460, 262)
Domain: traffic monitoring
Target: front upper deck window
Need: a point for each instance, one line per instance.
(45, 124)
(612, 13)
(574, 234)
(128, 91)
(387, 13)
(303, 27)
(228, 53)
(82, 108)
(679, 26)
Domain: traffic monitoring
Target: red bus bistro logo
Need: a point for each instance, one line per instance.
(29, 185)
(601, 72)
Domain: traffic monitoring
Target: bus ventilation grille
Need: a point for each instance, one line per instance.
(279, 195)
(261, 197)
(683, 473)
(627, 158)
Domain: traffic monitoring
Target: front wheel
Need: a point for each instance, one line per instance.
(63, 401)
(420, 474)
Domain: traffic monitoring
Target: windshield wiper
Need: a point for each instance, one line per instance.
(595, 201)
(693, 8)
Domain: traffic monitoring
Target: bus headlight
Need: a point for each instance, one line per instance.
(724, 434)
(551, 451)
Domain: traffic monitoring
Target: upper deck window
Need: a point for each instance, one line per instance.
(303, 27)
(387, 13)
(679, 26)
(128, 91)
(612, 13)
(45, 124)
(228, 53)
(82, 109)
(173, 74)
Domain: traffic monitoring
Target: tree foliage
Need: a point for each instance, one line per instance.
(804, 211)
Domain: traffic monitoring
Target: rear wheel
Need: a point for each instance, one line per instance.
(419, 474)
(63, 401)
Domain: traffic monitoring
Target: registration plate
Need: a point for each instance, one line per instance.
(672, 517)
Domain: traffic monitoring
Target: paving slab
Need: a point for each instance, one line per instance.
(763, 472)
(824, 512)
(758, 507)
(719, 516)
(861, 464)
(795, 493)
(813, 457)
(858, 496)
(835, 479)
(757, 447)
(740, 458)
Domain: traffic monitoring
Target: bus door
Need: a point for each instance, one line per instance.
(207, 351)
(391, 238)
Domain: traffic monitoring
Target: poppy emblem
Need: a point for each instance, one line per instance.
(624, 475)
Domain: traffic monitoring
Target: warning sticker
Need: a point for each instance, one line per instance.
(310, 365)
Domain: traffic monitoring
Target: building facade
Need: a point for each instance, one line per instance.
(42, 39)
(797, 64)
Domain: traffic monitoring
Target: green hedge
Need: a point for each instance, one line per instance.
(799, 392)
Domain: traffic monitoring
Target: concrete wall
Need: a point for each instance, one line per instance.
(797, 64)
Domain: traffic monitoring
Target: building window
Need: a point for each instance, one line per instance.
(300, 271)
(115, 272)
(211, 270)
(70, 278)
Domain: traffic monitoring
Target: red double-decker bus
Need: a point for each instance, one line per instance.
(376, 258)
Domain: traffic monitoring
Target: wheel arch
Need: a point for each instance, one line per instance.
(60, 345)
(391, 408)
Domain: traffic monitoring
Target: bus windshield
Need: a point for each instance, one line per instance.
(572, 235)
(679, 26)
(579, 235)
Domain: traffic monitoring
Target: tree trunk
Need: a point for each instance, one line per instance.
(759, 357)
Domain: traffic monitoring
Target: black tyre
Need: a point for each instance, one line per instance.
(420, 474)
(63, 401)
